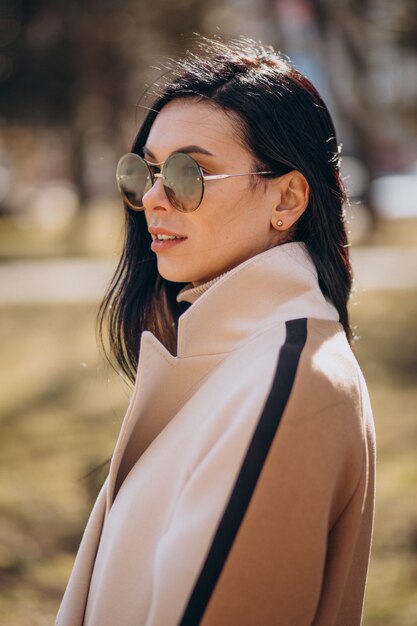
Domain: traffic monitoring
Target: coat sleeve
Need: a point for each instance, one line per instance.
(275, 567)
(267, 566)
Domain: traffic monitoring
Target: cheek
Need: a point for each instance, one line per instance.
(221, 224)
(228, 210)
(228, 215)
(244, 216)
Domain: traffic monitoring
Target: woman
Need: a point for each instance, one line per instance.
(241, 488)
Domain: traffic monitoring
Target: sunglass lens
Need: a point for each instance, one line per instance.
(133, 179)
(182, 182)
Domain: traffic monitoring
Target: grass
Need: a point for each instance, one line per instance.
(61, 412)
(387, 352)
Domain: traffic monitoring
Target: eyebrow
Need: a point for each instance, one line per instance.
(187, 149)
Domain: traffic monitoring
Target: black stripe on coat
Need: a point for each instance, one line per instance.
(289, 356)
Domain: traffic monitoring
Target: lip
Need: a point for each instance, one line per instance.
(154, 231)
(159, 245)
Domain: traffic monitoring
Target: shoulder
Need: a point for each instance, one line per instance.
(323, 366)
(327, 400)
(325, 419)
(313, 354)
(307, 365)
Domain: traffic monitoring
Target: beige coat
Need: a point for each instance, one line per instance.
(241, 490)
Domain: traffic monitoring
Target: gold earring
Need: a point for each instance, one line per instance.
(280, 223)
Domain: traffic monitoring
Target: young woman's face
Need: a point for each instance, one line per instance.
(233, 221)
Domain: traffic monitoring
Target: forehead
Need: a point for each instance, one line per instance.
(186, 122)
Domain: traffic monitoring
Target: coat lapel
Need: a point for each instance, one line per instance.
(163, 384)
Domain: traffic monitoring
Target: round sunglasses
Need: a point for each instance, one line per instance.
(182, 178)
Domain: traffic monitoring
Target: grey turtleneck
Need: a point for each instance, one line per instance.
(189, 293)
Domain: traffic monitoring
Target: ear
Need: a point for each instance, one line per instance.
(293, 193)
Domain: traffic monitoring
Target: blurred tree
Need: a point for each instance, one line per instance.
(404, 30)
(82, 64)
(53, 53)
(367, 50)
(378, 39)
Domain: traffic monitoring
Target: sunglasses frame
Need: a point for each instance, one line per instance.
(155, 176)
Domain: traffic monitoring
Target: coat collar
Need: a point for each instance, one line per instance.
(189, 293)
(278, 284)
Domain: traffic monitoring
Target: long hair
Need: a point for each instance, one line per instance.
(286, 126)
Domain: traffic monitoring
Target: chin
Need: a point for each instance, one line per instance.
(174, 274)
(184, 274)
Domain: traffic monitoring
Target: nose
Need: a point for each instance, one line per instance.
(156, 197)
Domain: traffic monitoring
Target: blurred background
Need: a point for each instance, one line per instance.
(72, 75)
